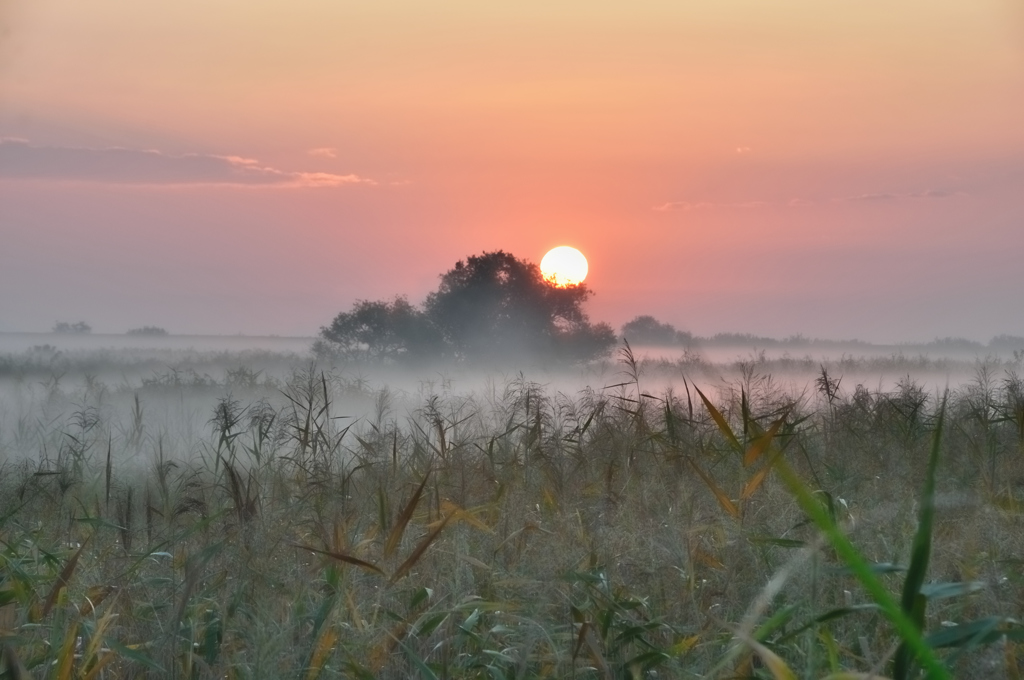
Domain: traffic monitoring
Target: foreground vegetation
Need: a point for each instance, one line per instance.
(244, 527)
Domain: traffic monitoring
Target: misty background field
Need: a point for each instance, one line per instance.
(207, 507)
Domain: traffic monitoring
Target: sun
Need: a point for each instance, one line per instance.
(564, 266)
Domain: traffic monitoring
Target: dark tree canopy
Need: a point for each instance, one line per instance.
(495, 306)
(390, 331)
(492, 307)
(78, 328)
(646, 330)
(148, 330)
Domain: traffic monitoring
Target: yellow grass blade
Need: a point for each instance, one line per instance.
(750, 487)
(101, 662)
(383, 649)
(723, 499)
(761, 443)
(94, 650)
(452, 512)
(550, 502)
(395, 537)
(707, 559)
(94, 597)
(584, 627)
(1011, 665)
(324, 646)
(66, 660)
(719, 419)
(62, 580)
(775, 665)
(416, 554)
(341, 557)
(684, 645)
(353, 612)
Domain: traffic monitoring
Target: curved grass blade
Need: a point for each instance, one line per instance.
(762, 443)
(420, 664)
(980, 632)
(321, 650)
(341, 557)
(827, 616)
(410, 561)
(403, 519)
(860, 568)
(62, 580)
(755, 482)
(134, 653)
(913, 601)
(723, 499)
(775, 665)
(66, 659)
(719, 419)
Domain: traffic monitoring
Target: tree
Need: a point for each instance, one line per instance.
(79, 328)
(646, 330)
(492, 307)
(148, 330)
(495, 306)
(387, 331)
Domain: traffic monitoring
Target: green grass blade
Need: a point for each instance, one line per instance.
(861, 569)
(913, 602)
(414, 658)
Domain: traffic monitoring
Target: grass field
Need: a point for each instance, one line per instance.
(259, 516)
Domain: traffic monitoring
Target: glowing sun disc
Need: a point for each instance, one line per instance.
(564, 266)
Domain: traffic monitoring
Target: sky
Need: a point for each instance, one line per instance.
(838, 170)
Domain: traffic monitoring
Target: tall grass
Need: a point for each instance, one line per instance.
(249, 527)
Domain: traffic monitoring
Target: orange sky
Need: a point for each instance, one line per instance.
(838, 170)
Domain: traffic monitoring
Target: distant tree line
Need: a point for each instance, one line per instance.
(81, 328)
(78, 328)
(492, 308)
(148, 330)
(647, 330)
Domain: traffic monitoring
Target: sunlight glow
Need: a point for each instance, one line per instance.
(564, 266)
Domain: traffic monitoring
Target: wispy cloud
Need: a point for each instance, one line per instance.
(936, 193)
(324, 152)
(928, 193)
(881, 197)
(684, 206)
(21, 160)
(873, 197)
(674, 205)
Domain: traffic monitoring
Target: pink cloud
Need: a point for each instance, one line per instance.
(114, 165)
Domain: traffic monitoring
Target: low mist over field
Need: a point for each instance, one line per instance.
(262, 502)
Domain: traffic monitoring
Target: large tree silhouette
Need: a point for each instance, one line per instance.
(391, 331)
(646, 330)
(497, 307)
(492, 308)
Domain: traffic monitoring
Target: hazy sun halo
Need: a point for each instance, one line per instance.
(564, 266)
